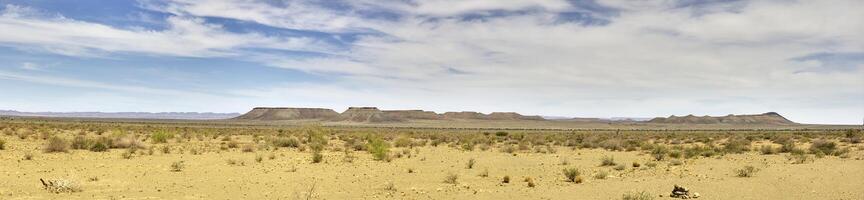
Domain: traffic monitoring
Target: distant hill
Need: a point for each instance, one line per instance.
(765, 118)
(124, 115)
(372, 114)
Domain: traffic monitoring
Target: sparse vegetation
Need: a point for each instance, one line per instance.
(573, 175)
(177, 166)
(56, 144)
(637, 196)
(746, 171)
(451, 178)
(379, 149)
(471, 163)
(607, 161)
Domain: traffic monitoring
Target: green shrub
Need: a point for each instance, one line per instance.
(379, 149)
(2, 144)
(99, 146)
(659, 152)
(56, 144)
(161, 136)
(824, 146)
(573, 175)
(737, 146)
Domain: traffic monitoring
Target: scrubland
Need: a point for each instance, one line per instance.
(128, 160)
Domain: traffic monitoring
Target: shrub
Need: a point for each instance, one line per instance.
(601, 175)
(501, 134)
(508, 149)
(637, 196)
(177, 166)
(248, 148)
(379, 149)
(2, 144)
(81, 142)
(161, 136)
(99, 146)
(471, 163)
(402, 142)
(636, 164)
(451, 178)
(290, 142)
(56, 144)
(675, 162)
(824, 146)
(788, 146)
(317, 157)
(128, 153)
(620, 167)
(607, 161)
(651, 164)
(799, 158)
(675, 154)
(767, 150)
(659, 152)
(573, 175)
(259, 158)
(530, 182)
(747, 171)
(737, 146)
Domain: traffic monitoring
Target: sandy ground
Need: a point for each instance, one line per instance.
(291, 175)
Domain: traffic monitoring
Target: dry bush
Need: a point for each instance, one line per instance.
(768, 150)
(451, 178)
(530, 182)
(248, 148)
(403, 142)
(659, 152)
(746, 171)
(177, 166)
(601, 174)
(290, 142)
(2, 144)
(620, 167)
(60, 185)
(607, 161)
(471, 163)
(636, 164)
(675, 162)
(56, 144)
(637, 196)
(737, 146)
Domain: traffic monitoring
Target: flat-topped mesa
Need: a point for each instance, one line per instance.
(766, 118)
(464, 115)
(285, 113)
(411, 114)
(511, 116)
(491, 116)
(364, 114)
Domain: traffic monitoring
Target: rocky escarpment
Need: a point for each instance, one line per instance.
(279, 113)
(766, 118)
(491, 116)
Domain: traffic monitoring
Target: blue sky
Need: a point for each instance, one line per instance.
(600, 58)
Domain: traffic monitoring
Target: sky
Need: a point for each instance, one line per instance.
(585, 58)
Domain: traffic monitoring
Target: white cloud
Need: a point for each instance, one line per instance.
(653, 58)
(186, 36)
